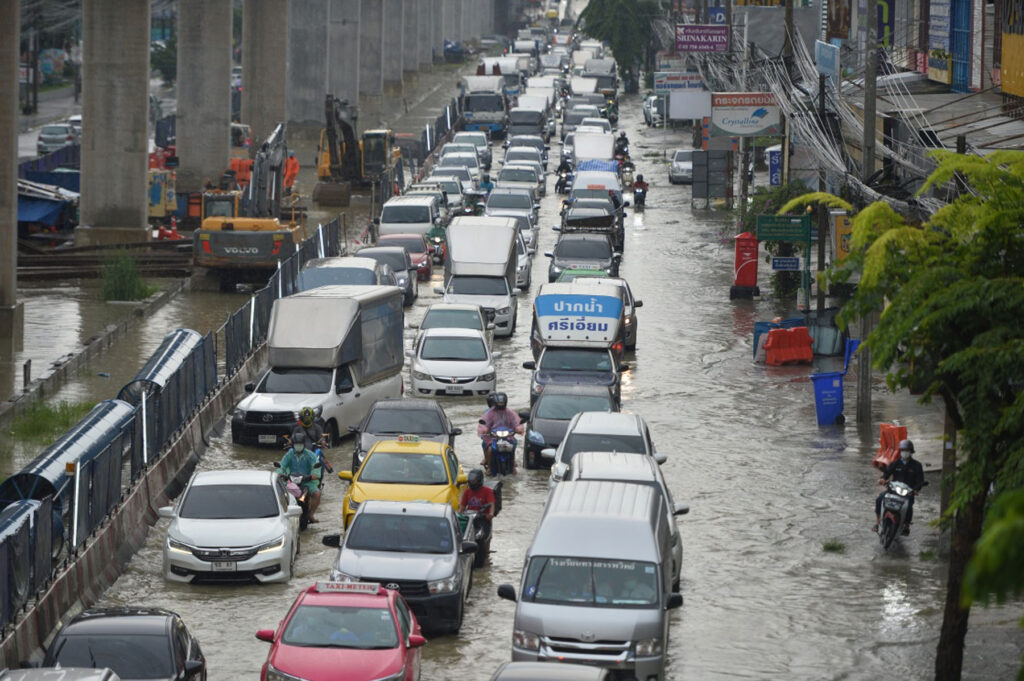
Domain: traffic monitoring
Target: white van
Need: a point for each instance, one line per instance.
(411, 214)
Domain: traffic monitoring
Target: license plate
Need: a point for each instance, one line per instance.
(225, 566)
(453, 389)
(268, 439)
(893, 505)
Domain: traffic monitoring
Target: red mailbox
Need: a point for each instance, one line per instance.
(744, 283)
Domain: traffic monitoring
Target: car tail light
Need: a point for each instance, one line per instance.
(617, 347)
(71, 138)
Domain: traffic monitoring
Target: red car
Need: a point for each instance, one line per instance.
(418, 250)
(344, 631)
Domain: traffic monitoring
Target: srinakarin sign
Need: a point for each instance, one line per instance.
(744, 114)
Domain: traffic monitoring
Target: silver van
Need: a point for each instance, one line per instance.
(597, 584)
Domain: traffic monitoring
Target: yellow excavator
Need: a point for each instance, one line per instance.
(245, 232)
(343, 160)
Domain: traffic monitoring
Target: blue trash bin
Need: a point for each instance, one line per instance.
(828, 397)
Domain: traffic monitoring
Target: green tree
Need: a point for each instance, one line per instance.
(955, 291)
(626, 25)
(165, 60)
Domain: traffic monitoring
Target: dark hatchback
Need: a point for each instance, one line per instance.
(389, 419)
(583, 251)
(137, 643)
(549, 418)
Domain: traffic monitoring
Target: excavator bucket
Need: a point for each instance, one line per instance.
(332, 193)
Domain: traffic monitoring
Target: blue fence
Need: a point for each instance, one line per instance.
(48, 509)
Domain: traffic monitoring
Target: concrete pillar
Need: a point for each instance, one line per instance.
(11, 311)
(371, 48)
(115, 133)
(425, 29)
(264, 66)
(343, 62)
(437, 43)
(204, 96)
(307, 65)
(392, 51)
(411, 35)
(466, 11)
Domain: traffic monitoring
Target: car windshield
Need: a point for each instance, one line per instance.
(574, 117)
(517, 175)
(451, 187)
(130, 656)
(583, 249)
(453, 348)
(522, 156)
(498, 200)
(229, 502)
(525, 117)
(404, 214)
(295, 381)
(484, 102)
(409, 243)
(591, 582)
(564, 407)
(452, 319)
(403, 469)
(683, 156)
(400, 533)
(455, 160)
(333, 626)
(384, 421)
(55, 130)
(575, 359)
(397, 259)
(328, 276)
(590, 442)
(599, 193)
(479, 286)
(474, 138)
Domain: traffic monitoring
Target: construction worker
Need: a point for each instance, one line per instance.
(291, 171)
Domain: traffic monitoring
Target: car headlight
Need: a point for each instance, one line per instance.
(275, 545)
(240, 413)
(556, 269)
(275, 675)
(420, 376)
(487, 377)
(177, 546)
(535, 438)
(504, 310)
(444, 586)
(397, 676)
(339, 576)
(525, 639)
(648, 647)
(629, 321)
(401, 280)
(353, 505)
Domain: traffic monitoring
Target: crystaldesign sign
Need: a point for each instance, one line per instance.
(702, 38)
(744, 114)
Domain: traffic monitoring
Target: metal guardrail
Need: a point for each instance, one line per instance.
(43, 526)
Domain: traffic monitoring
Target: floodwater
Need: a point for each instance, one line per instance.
(766, 487)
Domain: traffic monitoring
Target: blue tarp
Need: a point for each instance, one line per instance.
(599, 165)
(65, 178)
(39, 210)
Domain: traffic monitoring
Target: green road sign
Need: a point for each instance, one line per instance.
(783, 228)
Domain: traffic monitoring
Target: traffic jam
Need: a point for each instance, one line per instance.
(601, 575)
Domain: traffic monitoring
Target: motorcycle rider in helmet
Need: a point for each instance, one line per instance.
(639, 183)
(622, 143)
(907, 470)
(302, 461)
(485, 184)
(497, 415)
(477, 497)
(310, 426)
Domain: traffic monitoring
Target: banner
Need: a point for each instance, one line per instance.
(775, 168)
(826, 57)
(702, 38)
(838, 20)
(939, 56)
(668, 81)
(843, 231)
(689, 104)
(744, 114)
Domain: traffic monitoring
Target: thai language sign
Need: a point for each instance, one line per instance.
(744, 114)
(666, 81)
(578, 317)
(702, 38)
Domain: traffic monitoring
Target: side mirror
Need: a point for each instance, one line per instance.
(345, 475)
(638, 303)
(376, 221)
(623, 366)
(293, 511)
(549, 254)
(530, 365)
(456, 431)
(332, 540)
(165, 511)
(625, 204)
(265, 635)
(674, 601)
(467, 548)
(193, 667)
(524, 415)
(548, 453)
(496, 355)
(249, 387)
(616, 256)
(417, 641)
(515, 293)
(556, 228)
(410, 353)
(507, 591)
(461, 479)
(489, 326)
(536, 206)
(659, 458)
(680, 509)
(439, 289)
(353, 429)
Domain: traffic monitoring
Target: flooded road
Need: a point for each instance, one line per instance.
(766, 487)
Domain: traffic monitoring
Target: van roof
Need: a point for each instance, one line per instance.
(619, 514)
(621, 466)
(603, 423)
(349, 261)
(408, 200)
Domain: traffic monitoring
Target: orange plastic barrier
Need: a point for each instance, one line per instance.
(889, 438)
(789, 346)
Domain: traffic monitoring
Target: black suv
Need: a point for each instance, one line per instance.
(389, 419)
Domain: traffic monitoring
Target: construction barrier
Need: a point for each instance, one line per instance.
(761, 330)
(788, 346)
(889, 437)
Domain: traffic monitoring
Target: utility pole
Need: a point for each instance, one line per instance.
(822, 208)
(744, 152)
(787, 43)
(868, 169)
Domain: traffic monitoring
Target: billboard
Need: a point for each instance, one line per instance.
(702, 38)
(838, 20)
(940, 59)
(666, 81)
(744, 114)
(1012, 73)
(689, 104)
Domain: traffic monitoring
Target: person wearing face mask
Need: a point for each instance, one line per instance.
(303, 461)
(907, 470)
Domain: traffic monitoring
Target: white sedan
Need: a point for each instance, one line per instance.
(237, 525)
(448, 361)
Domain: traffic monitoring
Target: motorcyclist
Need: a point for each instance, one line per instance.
(639, 183)
(301, 461)
(622, 143)
(496, 416)
(477, 496)
(907, 470)
(486, 185)
(564, 167)
(309, 425)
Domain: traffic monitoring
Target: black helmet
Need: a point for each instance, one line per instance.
(500, 400)
(299, 438)
(907, 446)
(476, 478)
(622, 134)
(640, 178)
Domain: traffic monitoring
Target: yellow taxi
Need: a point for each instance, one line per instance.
(405, 469)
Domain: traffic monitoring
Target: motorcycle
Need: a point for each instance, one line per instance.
(479, 529)
(294, 486)
(626, 169)
(639, 198)
(563, 182)
(895, 505)
(503, 450)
